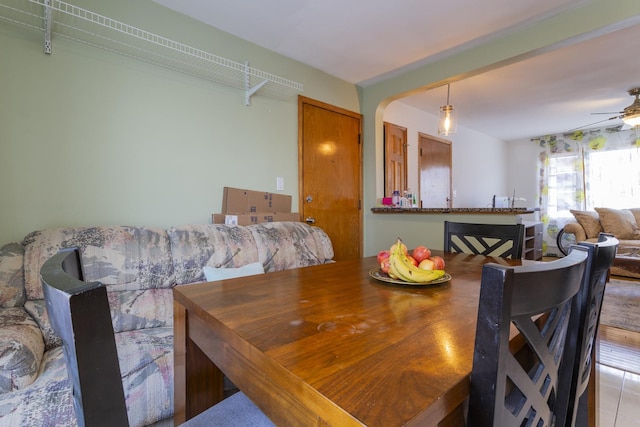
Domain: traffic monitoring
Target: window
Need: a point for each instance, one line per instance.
(563, 186)
(613, 179)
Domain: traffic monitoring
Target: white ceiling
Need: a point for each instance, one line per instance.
(364, 41)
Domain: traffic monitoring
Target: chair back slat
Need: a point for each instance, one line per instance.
(502, 240)
(585, 318)
(518, 385)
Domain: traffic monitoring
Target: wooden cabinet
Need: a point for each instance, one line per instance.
(532, 245)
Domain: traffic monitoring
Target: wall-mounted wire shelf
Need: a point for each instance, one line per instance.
(55, 17)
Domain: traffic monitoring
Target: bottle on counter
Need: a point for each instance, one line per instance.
(395, 198)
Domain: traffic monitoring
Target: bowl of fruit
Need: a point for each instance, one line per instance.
(398, 265)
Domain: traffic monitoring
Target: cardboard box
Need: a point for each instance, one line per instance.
(254, 218)
(236, 201)
(269, 202)
(286, 216)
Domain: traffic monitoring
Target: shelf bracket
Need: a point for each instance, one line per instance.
(248, 90)
(47, 26)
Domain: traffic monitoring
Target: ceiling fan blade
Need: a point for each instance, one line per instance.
(591, 124)
(611, 112)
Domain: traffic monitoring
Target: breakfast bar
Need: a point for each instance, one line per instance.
(425, 226)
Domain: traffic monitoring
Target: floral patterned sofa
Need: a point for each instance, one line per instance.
(139, 266)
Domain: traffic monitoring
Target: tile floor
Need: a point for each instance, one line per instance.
(619, 400)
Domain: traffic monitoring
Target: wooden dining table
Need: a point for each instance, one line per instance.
(330, 345)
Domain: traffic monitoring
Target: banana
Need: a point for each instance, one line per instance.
(396, 268)
(403, 268)
(395, 264)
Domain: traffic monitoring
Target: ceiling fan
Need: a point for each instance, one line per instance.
(630, 115)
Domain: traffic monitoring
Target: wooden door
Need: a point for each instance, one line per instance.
(330, 170)
(395, 159)
(435, 171)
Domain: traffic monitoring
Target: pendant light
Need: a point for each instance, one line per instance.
(447, 123)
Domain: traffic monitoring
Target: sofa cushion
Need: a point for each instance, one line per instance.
(21, 349)
(619, 222)
(38, 311)
(590, 221)
(123, 258)
(142, 309)
(215, 245)
(46, 402)
(146, 365)
(286, 245)
(12, 292)
(130, 310)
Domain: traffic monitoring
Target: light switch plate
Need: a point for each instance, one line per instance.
(280, 183)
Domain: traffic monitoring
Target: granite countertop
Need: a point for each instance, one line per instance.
(505, 211)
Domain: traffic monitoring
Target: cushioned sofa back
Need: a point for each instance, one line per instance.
(277, 245)
(285, 245)
(133, 262)
(123, 258)
(216, 245)
(12, 292)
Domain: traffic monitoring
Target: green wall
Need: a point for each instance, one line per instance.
(90, 137)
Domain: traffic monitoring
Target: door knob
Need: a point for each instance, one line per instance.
(310, 220)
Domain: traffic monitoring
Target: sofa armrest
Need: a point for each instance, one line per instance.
(21, 349)
(577, 230)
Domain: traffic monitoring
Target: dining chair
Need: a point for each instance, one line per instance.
(580, 349)
(79, 314)
(522, 325)
(502, 240)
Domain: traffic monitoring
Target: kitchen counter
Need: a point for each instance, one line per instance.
(425, 226)
(494, 211)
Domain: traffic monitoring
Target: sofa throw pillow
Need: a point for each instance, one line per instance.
(213, 273)
(590, 221)
(619, 222)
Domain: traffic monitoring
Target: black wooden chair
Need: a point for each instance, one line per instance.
(585, 317)
(79, 314)
(515, 382)
(502, 240)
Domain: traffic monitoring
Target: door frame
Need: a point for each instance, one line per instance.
(302, 100)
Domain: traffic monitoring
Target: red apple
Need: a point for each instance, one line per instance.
(427, 264)
(412, 260)
(384, 265)
(382, 255)
(438, 261)
(420, 253)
